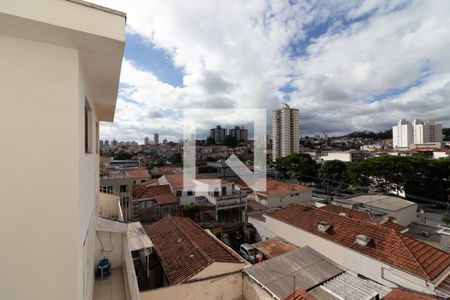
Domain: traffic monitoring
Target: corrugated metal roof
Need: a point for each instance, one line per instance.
(137, 237)
(351, 287)
(307, 266)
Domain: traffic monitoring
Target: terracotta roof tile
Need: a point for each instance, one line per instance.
(161, 193)
(398, 294)
(299, 294)
(137, 172)
(176, 180)
(185, 248)
(362, 216)
(275, 187)
(387, 245)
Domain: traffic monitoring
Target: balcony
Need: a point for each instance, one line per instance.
(109, 206)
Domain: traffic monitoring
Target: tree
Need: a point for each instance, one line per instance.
(122, 156)
(446, 218)
(334, 170)
(230, 141)
(297, 165)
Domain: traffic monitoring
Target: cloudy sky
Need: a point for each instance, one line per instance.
(347, 65)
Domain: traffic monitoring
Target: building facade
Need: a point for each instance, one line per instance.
(241, 134)
(402, 134)
(156, 138)
(427, 132)
(285, 131)
(61, 64)
(218, 134)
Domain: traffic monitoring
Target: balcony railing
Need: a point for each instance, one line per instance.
(109, 206)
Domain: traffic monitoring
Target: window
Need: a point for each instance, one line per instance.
(97, 135)
(178, 193)
(190, 193)
(224, 190)
(87, 127)
(143, 180)
(216, 192)
(124, 188)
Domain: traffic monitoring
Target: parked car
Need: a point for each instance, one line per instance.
(249, 252)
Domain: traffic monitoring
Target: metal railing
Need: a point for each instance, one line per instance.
(115, 206)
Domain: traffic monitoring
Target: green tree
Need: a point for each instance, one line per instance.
(122, 156)
(297, 165)
(334, 170)
(230, 141)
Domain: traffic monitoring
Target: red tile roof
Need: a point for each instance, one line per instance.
(185, 248)
(176, 181)
(137, 172)
(362, 216)
(161, 193)
(299, 294)
(398, 294)
(275, 187)
(388, 245)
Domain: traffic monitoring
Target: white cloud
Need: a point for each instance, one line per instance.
(237, 54)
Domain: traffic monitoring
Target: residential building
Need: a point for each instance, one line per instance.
(402, 134)
(402, 211)
(218, 134)
(379, 253)
(184, 191)
(285, 131)
(218, 169)
(427, 132)
(274, 247)
(278, 194)
(228, 202)
(147, 141)
(156, 138)
(240, 134)
(277, 277)
(61, 65)
(344, 156)
(441, 154)
(191, 263)
(152, 202)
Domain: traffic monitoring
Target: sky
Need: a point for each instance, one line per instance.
(347, 65)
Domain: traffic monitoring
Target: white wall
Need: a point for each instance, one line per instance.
(252, 290)
(113, 248)
(285, 199)
(40, 217)
(227, 287)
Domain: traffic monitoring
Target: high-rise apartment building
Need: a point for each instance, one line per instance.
(156, 138)
(61, 64)
(146, 140)
(218, 134)
(427, 132)
(241, 134)
(285, 131)
(405, 133)
(402, 134)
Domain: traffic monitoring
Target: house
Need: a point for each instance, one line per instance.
(278, 194)
(184, 191)
(404, 212)
(229, 203)
(138, 175)
(344, 156)
(194, 263)
(152, 202)
(276, 278)
(60, 71)
(379, 253)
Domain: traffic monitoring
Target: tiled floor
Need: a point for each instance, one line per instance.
(112, 288)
